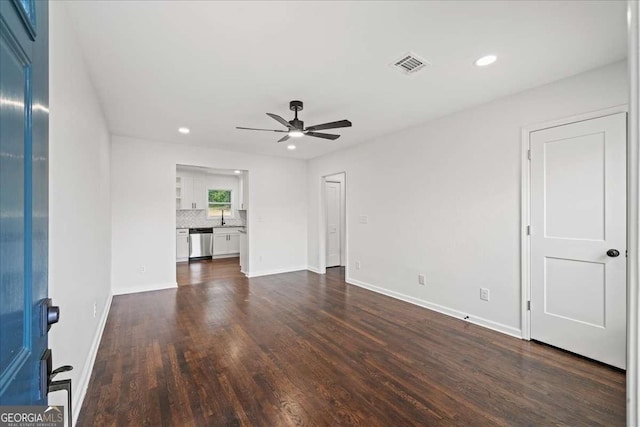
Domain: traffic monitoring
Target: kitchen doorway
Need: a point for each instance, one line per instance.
(211, 223)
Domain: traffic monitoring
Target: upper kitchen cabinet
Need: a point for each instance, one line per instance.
(199, 193)
(244, 192)
(191, 192)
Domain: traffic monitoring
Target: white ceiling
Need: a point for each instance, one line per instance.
(211, 66)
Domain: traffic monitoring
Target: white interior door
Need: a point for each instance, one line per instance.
(578, 221)
(334, 238)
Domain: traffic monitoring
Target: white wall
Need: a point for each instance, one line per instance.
(144, 213)
(443, 199)
(79, 207)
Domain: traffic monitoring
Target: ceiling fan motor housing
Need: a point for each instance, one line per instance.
(298, 124)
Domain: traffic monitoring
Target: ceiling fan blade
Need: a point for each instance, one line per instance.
(322, 135)
(267, 130)
(280, 120)
(332, 125)
(284, 138)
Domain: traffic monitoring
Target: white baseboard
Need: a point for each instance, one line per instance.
(225, 256)
(275, 271)
(314, 269)
(143, 288)
(80, 389)
(490, 324)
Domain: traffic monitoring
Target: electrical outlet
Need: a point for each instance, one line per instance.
(421, 279)
(357, 265)
(95, 309)
(484, 294)
(363, 219)
(143, 269)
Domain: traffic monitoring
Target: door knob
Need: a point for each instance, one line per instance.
(613, 253)
(53, 315)
(49, 314)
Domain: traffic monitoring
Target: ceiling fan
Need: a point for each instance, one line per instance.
(296, 129)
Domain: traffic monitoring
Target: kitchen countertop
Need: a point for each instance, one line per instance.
(215, 226)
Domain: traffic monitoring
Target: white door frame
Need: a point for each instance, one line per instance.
(525, 210)
(633, 191)
(322, 229)
(341, 219)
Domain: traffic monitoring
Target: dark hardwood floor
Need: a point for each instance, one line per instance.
(196, 272)
(305, 349)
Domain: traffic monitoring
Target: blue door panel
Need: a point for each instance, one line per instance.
(14, 69)
(23, 198)
(26, 8)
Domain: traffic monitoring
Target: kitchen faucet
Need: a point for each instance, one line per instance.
(222, 220)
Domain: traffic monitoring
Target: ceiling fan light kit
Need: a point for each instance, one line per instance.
(296, 129)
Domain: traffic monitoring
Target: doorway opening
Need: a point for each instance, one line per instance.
(211, 223)
(334, 214)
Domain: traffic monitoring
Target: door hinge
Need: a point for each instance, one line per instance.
(529, 154)
(528, 230)
(529, 305)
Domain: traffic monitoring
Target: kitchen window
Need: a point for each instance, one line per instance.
(219, 203)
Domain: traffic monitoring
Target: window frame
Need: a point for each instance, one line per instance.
(231, 203)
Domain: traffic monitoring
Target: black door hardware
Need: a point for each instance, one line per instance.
(49, 314)
(47, 385)
(613, 253)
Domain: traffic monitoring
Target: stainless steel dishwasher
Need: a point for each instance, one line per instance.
(200, 243)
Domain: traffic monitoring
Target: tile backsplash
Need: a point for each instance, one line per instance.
(198, 218)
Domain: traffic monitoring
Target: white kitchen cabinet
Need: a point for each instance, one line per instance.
(233, 244)
(191, 192)
(199, 193)
(182, 244)
(226, 241)
(243, 200)
(244, 263)
(240, 192)
(220, 244)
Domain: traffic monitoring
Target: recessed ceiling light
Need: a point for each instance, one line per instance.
(486, 60)
(237, 171)
(295, 133)
(291, 147)
(184, 130)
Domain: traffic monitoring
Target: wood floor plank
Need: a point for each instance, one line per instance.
(306, 349)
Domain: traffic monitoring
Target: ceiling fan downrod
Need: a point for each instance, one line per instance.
(296, 106)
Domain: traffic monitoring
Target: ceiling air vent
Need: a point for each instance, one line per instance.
(409, 63)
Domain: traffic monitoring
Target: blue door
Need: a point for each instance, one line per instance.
(24, 100)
